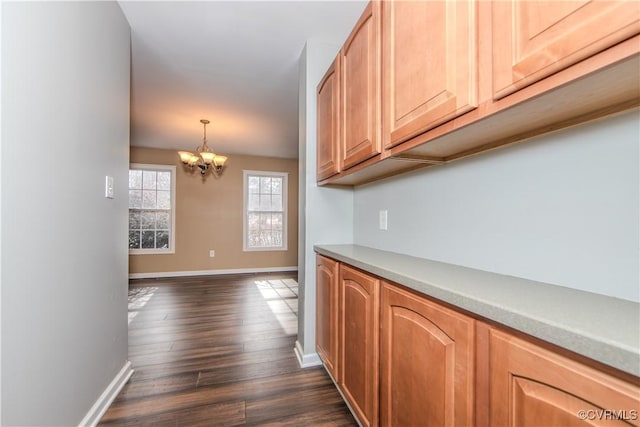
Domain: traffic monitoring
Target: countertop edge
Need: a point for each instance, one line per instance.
(624, 356)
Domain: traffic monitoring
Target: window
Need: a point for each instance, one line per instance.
(265, 211)
(151, 209)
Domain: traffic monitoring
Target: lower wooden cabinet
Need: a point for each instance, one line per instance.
(427, 362)
(327, 313)
(532, 386)
(359, 340)
(403, 359)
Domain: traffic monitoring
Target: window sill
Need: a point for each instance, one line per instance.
(151, 251)
(282, 249)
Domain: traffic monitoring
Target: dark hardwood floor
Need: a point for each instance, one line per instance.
(219, 351)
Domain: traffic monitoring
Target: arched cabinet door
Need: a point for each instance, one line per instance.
(327, 313)
(532, 386)
(360, 305)
(427, 362)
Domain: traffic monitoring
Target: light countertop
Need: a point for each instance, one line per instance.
(602, 328)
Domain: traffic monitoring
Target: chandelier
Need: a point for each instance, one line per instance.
(205, 159)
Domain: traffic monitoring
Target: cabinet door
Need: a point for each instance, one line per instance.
(360, 305)
(427, 362)
(532, 386)
(328, 116)
(430, 72)
(534, 39)
(360, 65)
(327, 313)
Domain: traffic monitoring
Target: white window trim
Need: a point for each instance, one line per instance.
(285, 216)
(172, 233)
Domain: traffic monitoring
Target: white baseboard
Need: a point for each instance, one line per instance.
(306, 360)
(106, 398)
(162, 274)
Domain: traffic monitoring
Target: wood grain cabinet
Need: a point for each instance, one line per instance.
(327, 311)
(430, 70)
(328, 123)
(427, 362)
(401, 358)
(534, 39)
(531, 386)
(424, 83)
(360, 71)
(359, 342)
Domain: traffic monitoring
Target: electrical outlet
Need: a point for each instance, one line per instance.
(212, 253)
(383, 219)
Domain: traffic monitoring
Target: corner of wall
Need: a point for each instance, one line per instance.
(327, 212)
(306, 360)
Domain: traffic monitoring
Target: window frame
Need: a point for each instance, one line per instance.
(245, 204)
(172, 231)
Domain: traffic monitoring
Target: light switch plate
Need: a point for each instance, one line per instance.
(108, 187)
(383, 219)
(212, 253)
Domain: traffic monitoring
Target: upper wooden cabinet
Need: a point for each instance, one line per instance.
(327, 313)
(328, 123)
(463, 77)
(427, 357)
(534, 39)
(532, 386)
(360, 84)
(429, 59)
(359, 339)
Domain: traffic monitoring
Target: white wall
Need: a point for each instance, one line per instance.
(326, 214)
(65, 117)
(562, 208)
(0, 226)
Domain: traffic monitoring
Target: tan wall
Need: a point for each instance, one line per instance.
(209, 216)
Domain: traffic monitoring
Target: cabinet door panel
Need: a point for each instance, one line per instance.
(429, 57)
(360, 89)
(532, 386)
(327, 313)
(328, 132)
(427, 362)
(534, 39)
(360, 296)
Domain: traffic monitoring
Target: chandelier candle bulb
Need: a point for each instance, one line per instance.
(219, 161)
(185, 156)
(207, 157)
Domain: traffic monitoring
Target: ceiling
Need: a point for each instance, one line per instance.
(234, 63)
